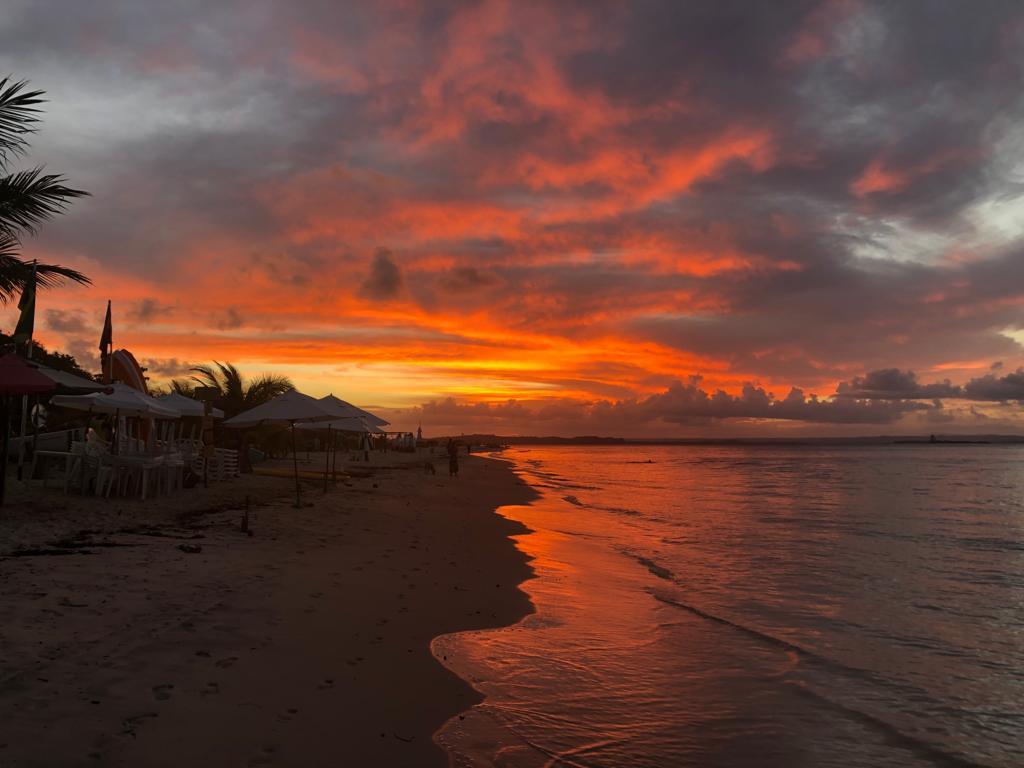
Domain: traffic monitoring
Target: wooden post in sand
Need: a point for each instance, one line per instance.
(295, 464)
(327, 457)
(5, 417)
(334, 458)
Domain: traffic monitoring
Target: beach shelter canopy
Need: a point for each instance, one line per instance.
(286, 409)
(68, 383)
(345, 410)
(348, 424)
(19, 377)
(122, 400)
(186, 406)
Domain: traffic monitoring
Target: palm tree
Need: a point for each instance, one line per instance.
(27, 198)
(182, 387)
(234, 393)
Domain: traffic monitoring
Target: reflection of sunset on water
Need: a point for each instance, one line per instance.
(726, 606)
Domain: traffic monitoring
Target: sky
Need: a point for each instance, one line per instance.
(642, 219)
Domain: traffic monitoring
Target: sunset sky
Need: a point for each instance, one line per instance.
(646, 218)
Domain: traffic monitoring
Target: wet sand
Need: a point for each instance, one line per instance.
(307, 643)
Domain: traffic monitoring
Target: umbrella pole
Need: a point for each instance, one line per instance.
(23, 432)
(334, 458)
(327, 457)
(5, 417)
(295, 464)
(35, 429)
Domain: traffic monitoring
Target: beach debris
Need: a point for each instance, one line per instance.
(406, 739)
(191, 549)
(47, 552)
(129, 724)
(162, 692)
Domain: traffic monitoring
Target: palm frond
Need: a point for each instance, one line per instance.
(10, 246)
(267, 387)
(18, 110)
(182, 387)
(28, 198)
(206, 376)
(16, 272)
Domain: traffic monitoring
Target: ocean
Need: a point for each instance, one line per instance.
(758, 606)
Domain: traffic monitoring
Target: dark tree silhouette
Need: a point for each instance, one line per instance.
(27, 198)
(235, 394)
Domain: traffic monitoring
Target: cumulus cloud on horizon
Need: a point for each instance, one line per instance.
(879, 398)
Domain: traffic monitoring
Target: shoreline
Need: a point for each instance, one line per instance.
(307, 643)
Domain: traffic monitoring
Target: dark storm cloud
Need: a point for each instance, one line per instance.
(466, 280)
(166, 367)
(997, 388)
(892, 383)
(66, 321)
(149, 309)
(385, 279)
(230, 319)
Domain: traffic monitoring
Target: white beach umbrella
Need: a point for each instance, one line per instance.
(288, 409)
(69, 383)
(346, 409)
(350, 419)
(186, 406)
(347, 424)
(122, 400)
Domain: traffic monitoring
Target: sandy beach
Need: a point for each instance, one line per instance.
(306, 643)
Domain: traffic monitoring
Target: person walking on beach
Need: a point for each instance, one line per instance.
(453, 458)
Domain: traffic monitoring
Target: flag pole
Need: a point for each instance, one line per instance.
(107, 349)
(26, 324)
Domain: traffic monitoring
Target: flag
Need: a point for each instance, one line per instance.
(107, 337)
(27, 305)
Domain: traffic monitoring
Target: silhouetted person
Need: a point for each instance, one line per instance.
(453, 458)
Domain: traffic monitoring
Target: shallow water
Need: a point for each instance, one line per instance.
(758, 606)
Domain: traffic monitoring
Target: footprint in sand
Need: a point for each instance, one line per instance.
(129, 724)
(162, 692)
(226, 662)
(265, 756)
(210, 689)
(328, 682)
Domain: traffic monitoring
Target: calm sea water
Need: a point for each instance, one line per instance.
(758, 606)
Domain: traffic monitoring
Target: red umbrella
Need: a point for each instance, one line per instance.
(17, 377)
